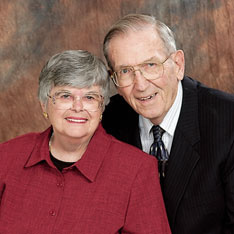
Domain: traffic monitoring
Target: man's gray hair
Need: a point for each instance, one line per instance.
(74, 68)
(137, 22)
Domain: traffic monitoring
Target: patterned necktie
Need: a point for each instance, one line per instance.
(158, 149)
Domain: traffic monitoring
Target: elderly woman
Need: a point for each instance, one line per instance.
(74, 177)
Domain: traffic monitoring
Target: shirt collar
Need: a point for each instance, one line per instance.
(91, 160)
(170, 120)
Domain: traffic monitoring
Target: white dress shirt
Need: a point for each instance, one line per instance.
(168, 124)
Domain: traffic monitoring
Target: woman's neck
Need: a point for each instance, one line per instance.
(67, 150)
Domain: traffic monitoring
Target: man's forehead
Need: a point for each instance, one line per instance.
(135, 48)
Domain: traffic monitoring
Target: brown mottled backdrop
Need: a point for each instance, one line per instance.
(31, 31)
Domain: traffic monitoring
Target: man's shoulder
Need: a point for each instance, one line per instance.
(121, 121)
(214, 108)
(116, 104)
(206, 93)
(119, 114)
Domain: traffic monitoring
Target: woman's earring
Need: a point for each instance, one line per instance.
(45, 115)
(101, 118)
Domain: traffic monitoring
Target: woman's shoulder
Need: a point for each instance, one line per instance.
(14, 152)
(20, 141)
(19, 147)
(25, 139)
(129, 153)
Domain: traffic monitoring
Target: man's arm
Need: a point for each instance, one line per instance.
(229, 193)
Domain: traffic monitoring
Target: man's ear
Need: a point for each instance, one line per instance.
(180, 62)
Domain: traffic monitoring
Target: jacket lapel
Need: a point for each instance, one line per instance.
(183, 157)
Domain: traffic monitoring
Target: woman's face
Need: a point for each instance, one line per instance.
(74, 113)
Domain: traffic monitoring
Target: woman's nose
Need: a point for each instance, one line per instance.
(77, 103)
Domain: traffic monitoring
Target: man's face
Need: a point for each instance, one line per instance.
(150, 98)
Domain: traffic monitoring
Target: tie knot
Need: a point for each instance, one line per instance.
(157, 133)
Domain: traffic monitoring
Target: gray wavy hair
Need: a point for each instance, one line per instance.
(137, 22)
(74, 68)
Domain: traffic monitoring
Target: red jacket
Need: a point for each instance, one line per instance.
(113, 188)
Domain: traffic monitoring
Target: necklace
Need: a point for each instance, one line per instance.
(50, 142)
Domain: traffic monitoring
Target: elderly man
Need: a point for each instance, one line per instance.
(187, 126)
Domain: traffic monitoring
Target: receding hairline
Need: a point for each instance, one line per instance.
(135, 23)
(125, 29)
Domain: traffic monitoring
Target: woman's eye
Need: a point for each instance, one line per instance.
(89, 97)
(65, 96)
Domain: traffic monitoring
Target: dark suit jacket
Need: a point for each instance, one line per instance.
(199, 184)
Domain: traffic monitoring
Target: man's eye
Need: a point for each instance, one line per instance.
(151, 65)
(125, 71)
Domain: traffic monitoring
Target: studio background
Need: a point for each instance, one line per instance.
(31, 31)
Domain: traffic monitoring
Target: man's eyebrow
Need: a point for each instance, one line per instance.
(145, 61)
(150, 59)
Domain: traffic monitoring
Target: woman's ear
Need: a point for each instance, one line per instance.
(44, 110)
(179, 61)
(43, 107)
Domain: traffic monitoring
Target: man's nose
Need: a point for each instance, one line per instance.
(140, 82)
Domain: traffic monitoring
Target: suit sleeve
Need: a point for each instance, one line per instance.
(146, 212)
(229, 193)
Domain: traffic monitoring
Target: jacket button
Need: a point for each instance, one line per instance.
(52, 213)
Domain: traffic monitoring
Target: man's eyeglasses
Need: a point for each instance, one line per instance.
(65, 100)
(150, 70)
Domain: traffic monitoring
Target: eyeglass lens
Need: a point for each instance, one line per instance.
(89, 102)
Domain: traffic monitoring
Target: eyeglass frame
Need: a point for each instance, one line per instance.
(114, 76)
(53, 98)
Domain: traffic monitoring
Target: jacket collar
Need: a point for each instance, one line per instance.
(90, 162)
(40, 151)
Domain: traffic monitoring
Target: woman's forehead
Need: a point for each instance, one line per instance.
(76, 90)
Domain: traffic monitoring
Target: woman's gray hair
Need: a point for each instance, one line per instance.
(74, 68)
(137, 22)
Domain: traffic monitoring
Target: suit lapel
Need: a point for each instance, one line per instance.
(183, 157)
(131, 134)
(129, 128)
(134, 135)
(121, 121)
